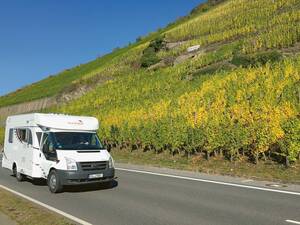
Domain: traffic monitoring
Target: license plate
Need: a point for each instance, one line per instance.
(92, 176)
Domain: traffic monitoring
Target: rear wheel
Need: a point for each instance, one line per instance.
(54, 183)
(19, 176)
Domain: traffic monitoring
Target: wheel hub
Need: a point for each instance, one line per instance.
(53, 182)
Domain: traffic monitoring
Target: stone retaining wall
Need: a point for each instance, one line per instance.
(26, 107)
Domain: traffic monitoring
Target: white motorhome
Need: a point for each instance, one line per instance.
(63, 149)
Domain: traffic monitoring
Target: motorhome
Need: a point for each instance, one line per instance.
(63, 149)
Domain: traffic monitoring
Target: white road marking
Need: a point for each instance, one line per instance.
(69, 216)
(292, 221)
(210, 181)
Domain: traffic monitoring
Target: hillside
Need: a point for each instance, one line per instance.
(236, 94)
(70, 79)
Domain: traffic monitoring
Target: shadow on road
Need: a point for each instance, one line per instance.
(78, 188)
(91, 187)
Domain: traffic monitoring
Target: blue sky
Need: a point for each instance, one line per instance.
(40, 38)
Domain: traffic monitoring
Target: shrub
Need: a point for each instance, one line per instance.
(257, 59)
(211, 69)
(241, 60)
(138, 39)
(149, 57)
(157, 44)
(264, 57)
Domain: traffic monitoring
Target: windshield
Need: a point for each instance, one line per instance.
(76, 141)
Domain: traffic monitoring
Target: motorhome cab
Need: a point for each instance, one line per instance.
(63, 149)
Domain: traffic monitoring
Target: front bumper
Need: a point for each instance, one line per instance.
(82, 177)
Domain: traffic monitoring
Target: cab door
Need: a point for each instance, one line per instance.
(48, 154)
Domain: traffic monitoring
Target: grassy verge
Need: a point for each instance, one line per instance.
(25, 212)
(268, 170)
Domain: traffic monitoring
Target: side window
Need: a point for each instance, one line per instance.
(24, 135)
(28, 136)
(48, 148)
(11, 135)
(21, 134)
(39, 135)
(94, 140)
(44, 143)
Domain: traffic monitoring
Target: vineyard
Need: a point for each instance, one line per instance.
(248, 111)
(237, 97)
(253, 112)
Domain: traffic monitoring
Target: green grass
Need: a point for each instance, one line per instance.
(24, 212)
(265, 170)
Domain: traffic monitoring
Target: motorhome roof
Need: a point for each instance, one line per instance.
(54, 121)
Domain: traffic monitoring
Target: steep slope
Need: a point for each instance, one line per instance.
(236, 92)
(100, 69)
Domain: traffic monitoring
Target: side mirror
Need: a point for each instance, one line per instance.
(108, 148)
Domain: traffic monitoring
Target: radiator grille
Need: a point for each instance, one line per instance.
(90, 166)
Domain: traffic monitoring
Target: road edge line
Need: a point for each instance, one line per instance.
(67, 215)
(292, 221)
(210, 181)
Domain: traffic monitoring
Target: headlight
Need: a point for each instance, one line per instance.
(111, 163)
(71, 164)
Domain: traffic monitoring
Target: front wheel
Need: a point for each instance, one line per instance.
(107, 184)
(54, 183)
(19, 176)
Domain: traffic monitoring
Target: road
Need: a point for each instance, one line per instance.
(142, 199)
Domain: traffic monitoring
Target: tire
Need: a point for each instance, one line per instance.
(19, 176)
(107, 184)
(54, 183)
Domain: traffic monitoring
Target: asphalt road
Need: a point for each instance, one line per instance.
(142, 199)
